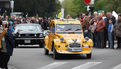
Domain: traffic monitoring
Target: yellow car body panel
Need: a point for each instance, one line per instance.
(69, 37)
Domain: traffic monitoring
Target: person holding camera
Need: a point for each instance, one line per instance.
(3, 31)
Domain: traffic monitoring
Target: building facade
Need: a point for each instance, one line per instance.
(4, 7)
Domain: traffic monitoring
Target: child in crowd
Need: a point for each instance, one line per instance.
(110, 34)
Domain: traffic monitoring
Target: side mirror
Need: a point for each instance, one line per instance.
(47, 27)
(46, 32)
(86, 39)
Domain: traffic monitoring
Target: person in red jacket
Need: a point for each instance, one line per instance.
(100, 31)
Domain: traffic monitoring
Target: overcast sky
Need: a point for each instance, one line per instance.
(61, 0)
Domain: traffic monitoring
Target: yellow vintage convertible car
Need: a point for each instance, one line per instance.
(66, 37)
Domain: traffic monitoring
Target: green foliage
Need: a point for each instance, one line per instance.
(108, 5)
(41, 7)
(73, 7)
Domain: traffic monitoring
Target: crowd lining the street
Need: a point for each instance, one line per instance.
(101, 29)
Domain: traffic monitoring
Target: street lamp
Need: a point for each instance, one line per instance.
(12, 5)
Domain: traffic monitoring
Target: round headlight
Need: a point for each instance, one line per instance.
(61, 39)
(86, 38)
(35, 35)
(19, 35)
(40, 35)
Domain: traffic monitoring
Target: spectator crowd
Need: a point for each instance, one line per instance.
(104, 30)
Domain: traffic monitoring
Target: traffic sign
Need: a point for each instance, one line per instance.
(87, 1)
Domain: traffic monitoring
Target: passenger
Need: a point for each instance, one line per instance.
(69, 16)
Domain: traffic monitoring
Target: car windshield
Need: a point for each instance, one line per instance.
(28, 28)
(68, 27)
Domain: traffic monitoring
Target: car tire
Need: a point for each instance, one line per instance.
(55, 54)
(41, 45)
(46, 51)
(16, 45)
(89, 56)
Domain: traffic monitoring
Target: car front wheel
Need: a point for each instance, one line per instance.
(46, 51)
(89, 55)
(16, 44)
(55, 54)
(41, 45)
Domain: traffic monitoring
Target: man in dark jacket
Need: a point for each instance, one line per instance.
(109, 16)
(2, 34)
(9, 46)
(117, 31)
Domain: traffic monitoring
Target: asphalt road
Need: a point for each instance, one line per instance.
(34, 58)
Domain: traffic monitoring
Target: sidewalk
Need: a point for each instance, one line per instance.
(11, 67)
(115, 44)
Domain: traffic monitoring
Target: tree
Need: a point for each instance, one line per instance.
(44, 8)
(74, 7)
(112, 5)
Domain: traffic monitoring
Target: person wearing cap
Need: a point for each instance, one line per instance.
(117, 31)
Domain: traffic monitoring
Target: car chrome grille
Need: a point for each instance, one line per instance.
(27, 35)
(75, 45)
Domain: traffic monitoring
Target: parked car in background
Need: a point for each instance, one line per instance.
(28, 34)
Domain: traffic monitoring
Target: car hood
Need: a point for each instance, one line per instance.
(72, 37)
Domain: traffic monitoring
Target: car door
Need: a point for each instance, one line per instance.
(50, 37)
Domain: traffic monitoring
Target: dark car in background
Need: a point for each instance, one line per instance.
(28, 34)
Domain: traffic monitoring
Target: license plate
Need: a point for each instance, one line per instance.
(27, 41)
(75, 49)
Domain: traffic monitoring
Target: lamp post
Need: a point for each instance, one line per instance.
(12, 5)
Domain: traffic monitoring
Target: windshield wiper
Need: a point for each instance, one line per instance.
(31, 30)
(77, 29)
(68, 29)
(21, 30)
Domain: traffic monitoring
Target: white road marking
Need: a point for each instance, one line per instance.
(87, 65)
(53, 65)
(117, 67)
